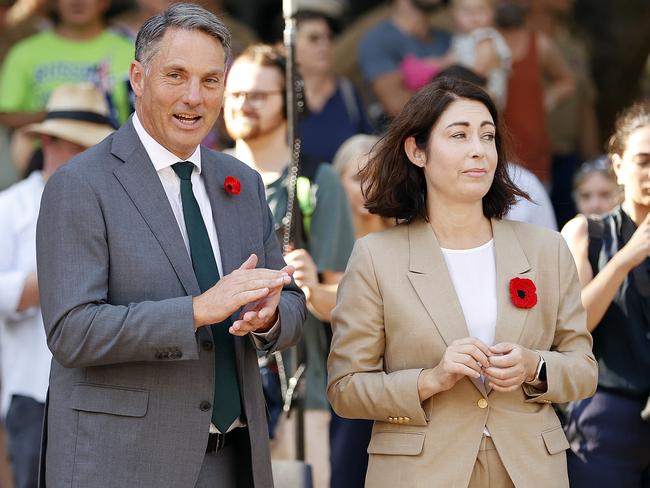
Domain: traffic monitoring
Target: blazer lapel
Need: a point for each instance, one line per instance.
(227, 220)
(225, 212)
(140, 181)
(511, 262)
(431, 280)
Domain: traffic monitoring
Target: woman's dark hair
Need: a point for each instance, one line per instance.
(631, 119)
(394, 187)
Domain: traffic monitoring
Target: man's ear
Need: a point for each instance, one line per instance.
(414, 153)
(617, 163)
(136, 76)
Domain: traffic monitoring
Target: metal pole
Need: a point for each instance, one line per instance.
(289, 9)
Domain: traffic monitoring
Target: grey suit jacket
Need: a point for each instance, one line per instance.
(130, 374)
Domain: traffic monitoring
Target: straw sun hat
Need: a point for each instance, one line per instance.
(75, 112)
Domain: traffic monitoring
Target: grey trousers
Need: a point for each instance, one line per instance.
(218, 469)
(229, 468)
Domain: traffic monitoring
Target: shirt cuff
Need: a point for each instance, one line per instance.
(264, 340)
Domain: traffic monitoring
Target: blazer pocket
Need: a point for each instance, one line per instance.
(127, 402)
(396, 443)
(555, 440)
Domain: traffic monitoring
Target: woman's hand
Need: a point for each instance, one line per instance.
(638, 247)
(510, 366)
(464, 357)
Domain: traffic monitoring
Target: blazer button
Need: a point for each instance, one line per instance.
(482, 403)
(207, 345)
(205, 406)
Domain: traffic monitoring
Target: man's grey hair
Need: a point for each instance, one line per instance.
(185, 16)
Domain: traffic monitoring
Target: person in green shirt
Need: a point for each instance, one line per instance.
(78, 49)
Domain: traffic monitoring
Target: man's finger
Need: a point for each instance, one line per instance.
(289, 270)
(249, 296)
(250, 263)
(271, 283)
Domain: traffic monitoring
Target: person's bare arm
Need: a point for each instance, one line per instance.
(599, 291)
(29, 297)
(390, 92)
(487, 57)
(557, 71)
(15, 120)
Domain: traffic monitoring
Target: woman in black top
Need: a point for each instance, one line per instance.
(610, 442)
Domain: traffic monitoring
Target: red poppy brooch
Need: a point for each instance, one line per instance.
(232, 185)
(523, 293)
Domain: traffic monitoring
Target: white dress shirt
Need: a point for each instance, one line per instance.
(24, 355)
(539, 211)
(163, 160)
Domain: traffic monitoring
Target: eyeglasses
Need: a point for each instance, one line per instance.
(256, 98)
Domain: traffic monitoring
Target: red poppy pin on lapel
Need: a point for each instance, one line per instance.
(232, 185)
(523, 292)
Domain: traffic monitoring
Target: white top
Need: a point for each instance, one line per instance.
(473, 273)
(540, 210)
(24, 355)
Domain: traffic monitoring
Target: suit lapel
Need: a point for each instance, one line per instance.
(141, 182)
(511, 262)
(431, 280)
(225, 212)
(227, 220)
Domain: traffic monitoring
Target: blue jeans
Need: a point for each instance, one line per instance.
(24, 425)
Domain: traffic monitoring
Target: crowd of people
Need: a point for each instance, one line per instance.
(409, 372)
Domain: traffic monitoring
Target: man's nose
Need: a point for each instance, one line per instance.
(193, 95)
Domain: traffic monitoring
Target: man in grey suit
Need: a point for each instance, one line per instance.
(160, 277)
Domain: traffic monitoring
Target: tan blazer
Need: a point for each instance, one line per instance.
(396, 313)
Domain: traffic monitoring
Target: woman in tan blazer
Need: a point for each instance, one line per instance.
(455, 330)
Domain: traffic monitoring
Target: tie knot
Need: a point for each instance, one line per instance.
(183, 170)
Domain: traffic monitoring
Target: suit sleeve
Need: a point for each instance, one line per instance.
(83, 329)
(359, 387)
(292, 310)
(571, 370)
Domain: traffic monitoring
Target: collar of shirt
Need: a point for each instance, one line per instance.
(160, 156)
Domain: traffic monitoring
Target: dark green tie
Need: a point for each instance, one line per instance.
(227, 404)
